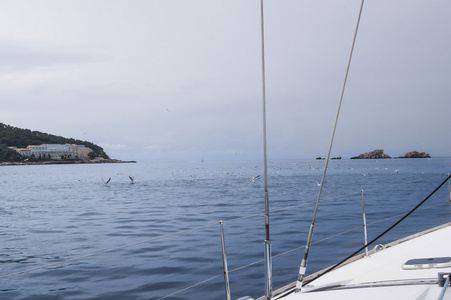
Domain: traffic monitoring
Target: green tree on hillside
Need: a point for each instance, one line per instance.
(9, 154)
(16, 137)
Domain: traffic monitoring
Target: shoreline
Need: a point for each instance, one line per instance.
(64, 162)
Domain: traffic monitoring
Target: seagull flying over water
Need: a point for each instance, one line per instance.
(255, 177)
(106, 182)
(319, 183)
(131, 178)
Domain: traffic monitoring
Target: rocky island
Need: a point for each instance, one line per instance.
(376, 154)
(415, 154)
(379, 154)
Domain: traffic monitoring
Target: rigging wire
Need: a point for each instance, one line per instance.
(386, 231)
(303, 266)
(285, 253)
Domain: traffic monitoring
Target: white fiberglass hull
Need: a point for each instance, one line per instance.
(384, 275)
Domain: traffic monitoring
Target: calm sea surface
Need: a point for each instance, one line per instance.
(161, 234)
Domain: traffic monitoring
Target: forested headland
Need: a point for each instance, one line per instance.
(11, 136)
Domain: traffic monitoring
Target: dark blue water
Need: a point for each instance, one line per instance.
(55, 213)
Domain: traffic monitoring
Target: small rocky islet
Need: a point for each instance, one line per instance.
(379, 154)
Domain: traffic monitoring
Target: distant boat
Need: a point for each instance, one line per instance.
(320, 158)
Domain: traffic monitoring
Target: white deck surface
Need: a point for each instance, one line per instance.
(385, 267)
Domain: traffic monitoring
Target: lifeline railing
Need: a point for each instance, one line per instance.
(226, 271)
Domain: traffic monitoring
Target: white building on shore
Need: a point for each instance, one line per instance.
(54, 151)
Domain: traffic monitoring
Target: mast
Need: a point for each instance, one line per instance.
(268, 258)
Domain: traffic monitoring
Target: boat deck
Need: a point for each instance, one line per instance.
(381, 275)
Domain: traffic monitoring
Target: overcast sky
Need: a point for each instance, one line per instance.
(181, 79)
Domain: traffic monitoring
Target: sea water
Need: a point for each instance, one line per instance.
(75, 237)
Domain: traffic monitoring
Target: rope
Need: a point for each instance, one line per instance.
(386, 231)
